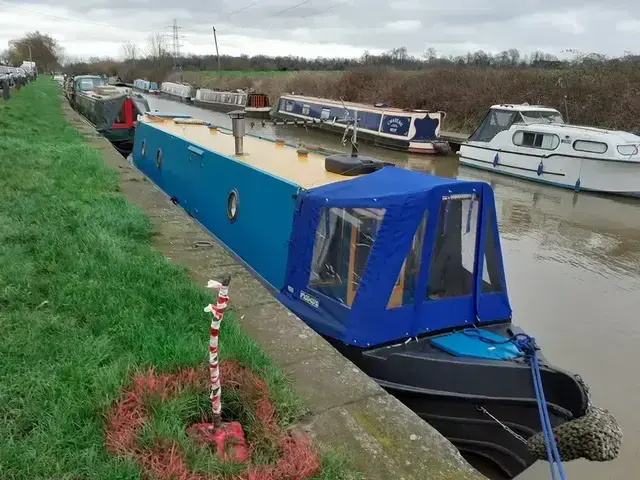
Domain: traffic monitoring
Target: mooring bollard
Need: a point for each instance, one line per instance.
(227, 436)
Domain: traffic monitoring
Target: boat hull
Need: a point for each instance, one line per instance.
(436, 147)
(588, 174)
(457, 396)
(171, 96)
(226, 108)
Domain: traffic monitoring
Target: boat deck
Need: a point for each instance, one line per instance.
(279, 160)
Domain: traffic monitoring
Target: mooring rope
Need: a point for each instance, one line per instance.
(527, 345)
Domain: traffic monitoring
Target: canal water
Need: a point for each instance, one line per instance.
(573, 273)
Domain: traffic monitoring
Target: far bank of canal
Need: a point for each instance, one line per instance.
(573, 268)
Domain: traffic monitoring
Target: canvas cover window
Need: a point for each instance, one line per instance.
(491, 281)
(451, 273)
(344, 239)
(404, 289)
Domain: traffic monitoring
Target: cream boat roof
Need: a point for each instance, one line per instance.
(279, 160)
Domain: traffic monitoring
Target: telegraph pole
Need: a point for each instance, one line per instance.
(215, 39)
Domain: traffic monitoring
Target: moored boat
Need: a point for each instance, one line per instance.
(141, 85)
(178, 91)
(112, 110)
(415, 131)
(253, 104)
(401, 271)
(533, 142)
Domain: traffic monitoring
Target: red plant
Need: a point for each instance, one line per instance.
(297, 459)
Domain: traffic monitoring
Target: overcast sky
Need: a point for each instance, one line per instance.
(328, 28)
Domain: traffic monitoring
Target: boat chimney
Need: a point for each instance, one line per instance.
(238, 129)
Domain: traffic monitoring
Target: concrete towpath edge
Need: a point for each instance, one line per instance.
(349, 412)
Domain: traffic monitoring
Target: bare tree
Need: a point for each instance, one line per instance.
(130, 51)
(430, 55)
(156, 46)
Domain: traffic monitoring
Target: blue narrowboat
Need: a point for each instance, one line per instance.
(141, 85)
(400, 271)
(145, 86)
(415, 131)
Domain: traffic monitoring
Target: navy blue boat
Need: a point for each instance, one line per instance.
(414, 131)
(401, 271)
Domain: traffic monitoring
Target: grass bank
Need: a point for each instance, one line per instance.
(605, 96)
(86, 304)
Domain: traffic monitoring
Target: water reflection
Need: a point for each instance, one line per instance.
(573, 269)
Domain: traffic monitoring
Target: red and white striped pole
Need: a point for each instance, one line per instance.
(217, 314)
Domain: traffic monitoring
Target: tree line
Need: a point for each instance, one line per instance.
(154, 60)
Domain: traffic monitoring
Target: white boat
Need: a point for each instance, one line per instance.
(181, 91)
(253, 104)
(534, 143)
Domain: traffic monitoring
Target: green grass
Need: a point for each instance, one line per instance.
(85, 301)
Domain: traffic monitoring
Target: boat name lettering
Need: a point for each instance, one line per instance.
(309, 299)
(395, 123)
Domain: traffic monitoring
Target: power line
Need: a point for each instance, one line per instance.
(247, 7)
(299, 4)
(290, 8)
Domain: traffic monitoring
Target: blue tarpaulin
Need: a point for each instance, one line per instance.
(404, 197)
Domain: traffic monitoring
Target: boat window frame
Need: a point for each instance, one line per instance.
(288, 105)
(532, 110)
(322, 113)
(437, 255)
(628, 145)
(345, 231)
(573, 145)
(515, 115)
(535, 133)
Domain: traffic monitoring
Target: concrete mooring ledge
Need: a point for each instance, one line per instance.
(349, 412)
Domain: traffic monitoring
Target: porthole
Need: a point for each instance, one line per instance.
(159, 158)
(233, 205)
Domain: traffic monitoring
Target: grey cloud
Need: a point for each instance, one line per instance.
(451, 26)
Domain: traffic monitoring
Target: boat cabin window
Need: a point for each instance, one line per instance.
(306, 108)
(495, 122)
(86, 84)
(541, 116)
(627, 150)
(451, 273)
(344, 239)
(546, 141)
(588, 146)
(324, 115)
(289, 106)
(491, 281)
(404, 289)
